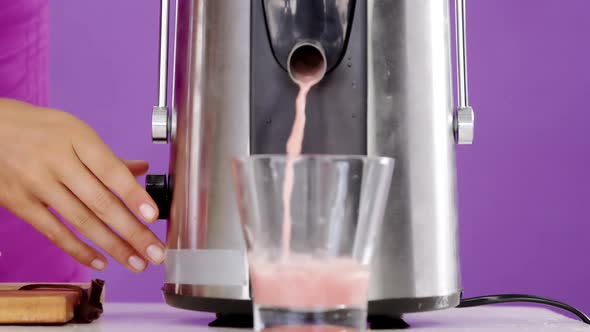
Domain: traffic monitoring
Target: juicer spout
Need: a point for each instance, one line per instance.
(324, 24)
(306, 61)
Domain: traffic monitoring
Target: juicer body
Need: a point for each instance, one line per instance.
(388, 91)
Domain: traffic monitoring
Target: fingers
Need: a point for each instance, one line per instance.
(115, 175)
(104, 207)
(86, 222)
(49, 225)
(136, 167)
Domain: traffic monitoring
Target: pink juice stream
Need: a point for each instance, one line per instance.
(306, 76)
(301, 280)
(293, 151)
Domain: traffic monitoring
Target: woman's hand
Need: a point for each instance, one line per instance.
(51, 159)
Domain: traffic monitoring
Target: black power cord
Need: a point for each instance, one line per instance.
(506, 298)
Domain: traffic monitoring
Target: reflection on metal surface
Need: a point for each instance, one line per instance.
(211, 89)
(410, 118)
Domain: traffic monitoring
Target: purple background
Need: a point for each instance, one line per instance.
(524, 187)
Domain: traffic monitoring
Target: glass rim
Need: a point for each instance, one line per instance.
(322, 157)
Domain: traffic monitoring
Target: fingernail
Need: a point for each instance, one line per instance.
(136, 263)
(98, 264)
(147, 211)
(155, 253)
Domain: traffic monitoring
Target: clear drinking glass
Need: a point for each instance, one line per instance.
(311, 272)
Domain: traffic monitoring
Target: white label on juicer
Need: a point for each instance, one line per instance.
(206, 267)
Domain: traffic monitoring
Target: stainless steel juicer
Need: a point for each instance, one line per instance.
(388, 91)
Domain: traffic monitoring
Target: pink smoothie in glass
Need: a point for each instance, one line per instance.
(303, 282)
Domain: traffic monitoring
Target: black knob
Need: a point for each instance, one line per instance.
(157, 187)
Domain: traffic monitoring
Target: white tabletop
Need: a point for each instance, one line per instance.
(131, 317)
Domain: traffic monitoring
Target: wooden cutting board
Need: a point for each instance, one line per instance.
(42, 306)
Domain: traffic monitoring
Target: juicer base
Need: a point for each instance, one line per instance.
(220, 307)
(387, 314)
(236, 321)
(379, 322)
(382, 314)
(395, 307)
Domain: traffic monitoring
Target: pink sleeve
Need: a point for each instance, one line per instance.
(24, 50)
(25, 254)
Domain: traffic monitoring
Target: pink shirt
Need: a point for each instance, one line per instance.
(25, 254)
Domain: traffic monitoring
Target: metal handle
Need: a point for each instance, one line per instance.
(160, 112)
(465, 118)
